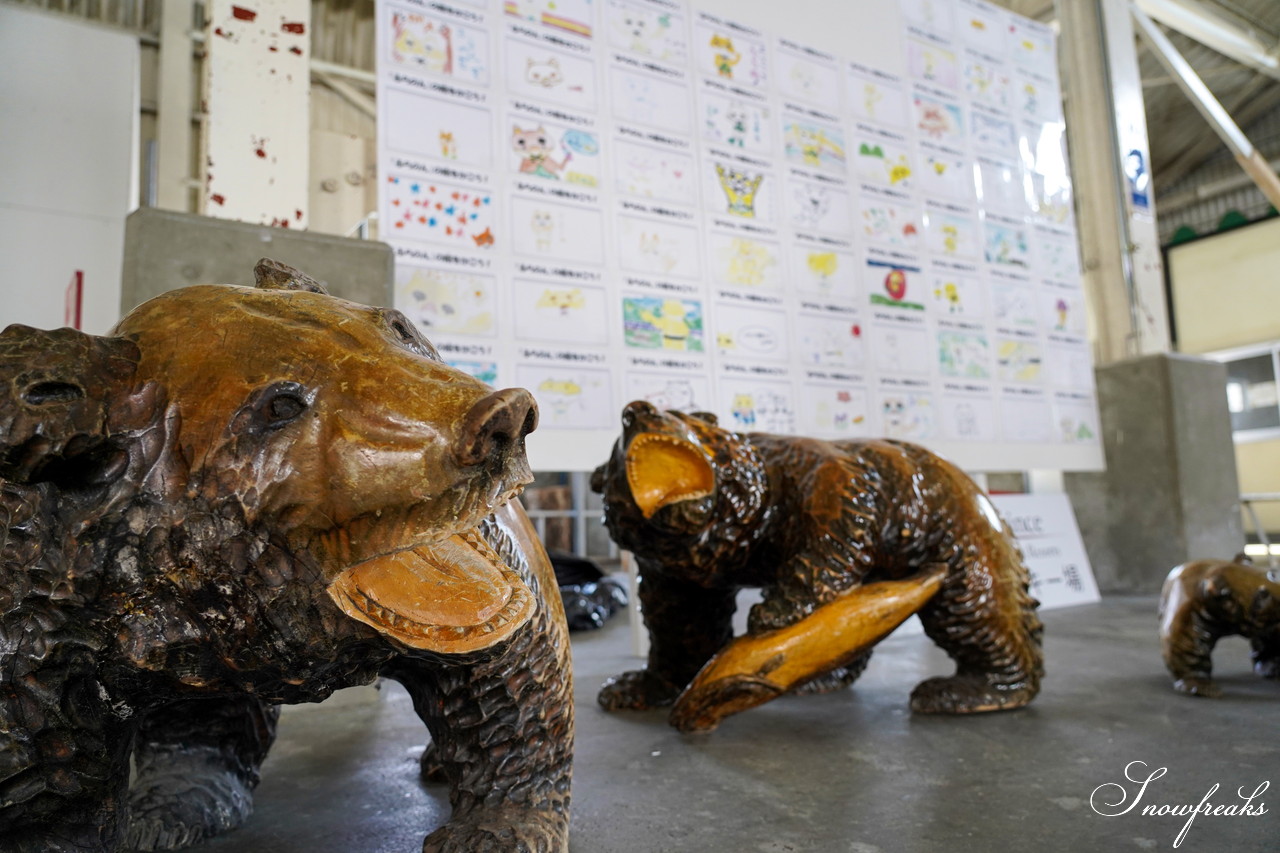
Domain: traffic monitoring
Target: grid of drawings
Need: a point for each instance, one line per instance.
(607, 200)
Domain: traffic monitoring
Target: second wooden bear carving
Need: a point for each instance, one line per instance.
(846, 539)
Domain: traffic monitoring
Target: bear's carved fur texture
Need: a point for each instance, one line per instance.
(251, 496)
(707, 512)
(1205, 600)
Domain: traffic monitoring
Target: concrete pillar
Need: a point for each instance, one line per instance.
(1115, 201)
(1169, 493)
(173, 174)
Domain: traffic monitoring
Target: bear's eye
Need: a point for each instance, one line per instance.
(282, 405)
(406, 335)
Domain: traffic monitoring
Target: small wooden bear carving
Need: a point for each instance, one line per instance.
(1207, 599)
(847, 539)
(250, 496)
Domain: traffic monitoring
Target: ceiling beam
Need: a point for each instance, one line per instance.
(1254, 164)
(1194, 20)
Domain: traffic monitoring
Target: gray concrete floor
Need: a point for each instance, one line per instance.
(853, 772)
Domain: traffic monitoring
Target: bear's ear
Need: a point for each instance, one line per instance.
(61, 392)
(709, 417)
(273, 275)
(597, 479)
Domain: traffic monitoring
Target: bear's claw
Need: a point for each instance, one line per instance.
(189, 796)
(636, 690)
(968, 694)
(501, 830)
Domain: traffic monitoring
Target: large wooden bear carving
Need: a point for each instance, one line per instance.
(846, 539)
(248, 496)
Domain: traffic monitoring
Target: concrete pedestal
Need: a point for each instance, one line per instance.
(1169, 493)
(164, 250)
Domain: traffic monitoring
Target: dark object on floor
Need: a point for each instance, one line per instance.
(250, 496)
(589, 597)
(1206, 600)
(846, 539)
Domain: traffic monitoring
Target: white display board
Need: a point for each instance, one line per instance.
(1046, 530)
(607, 200)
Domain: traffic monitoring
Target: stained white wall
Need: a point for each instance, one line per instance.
(68, 136)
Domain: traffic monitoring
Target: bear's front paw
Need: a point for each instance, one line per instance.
(1194, 685)
(507, 829)
(637, 690)
(968, 694)
(185, 796)
(702, 710)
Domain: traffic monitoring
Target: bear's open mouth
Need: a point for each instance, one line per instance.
(453, 596)
(664, 470)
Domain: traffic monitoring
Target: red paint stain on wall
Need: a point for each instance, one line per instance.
(297, 214)
(240, 13)
(294, 27)
(219, 31)
(296, 50)
(217, 198)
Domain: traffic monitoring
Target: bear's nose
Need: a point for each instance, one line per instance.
(495, 425)
(637, 409)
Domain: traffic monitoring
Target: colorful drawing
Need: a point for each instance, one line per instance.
(964, 355)
(877, 100)
(657, 173)
(652, 323)
(549, 230)
(896, 285)
(901, 350)
(1063, 311)
(813, 144)
(437, 129)
(938, 120)
(570, 397)
(945, 174)
(656, 247)
(884, 162)
(745, 262)
(757, 407)
(950, 235)
(438, 213)
(1006, 244)
(1058, 258)
(534, 151)
(1013, 306)
(932, 64)
(485, 371)
(987, 83)
(552, 312)
(1018, 360)
(426, 44)
(906, 415)
(958, 298)
(682, 394)
(932, 14)
(446, 301)
(536, 72)
(818, 207)
(732, 56)
(736, 123)
(889, 223)
(836, 410)
(830, 341)
(655, 33)
(806, 80)
(968, 418)
(564, 16)
(648, 100)
(751, 333)
(994, 133)
(739, 188)
(824, 272)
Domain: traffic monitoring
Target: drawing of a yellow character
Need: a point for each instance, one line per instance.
(670, 321)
